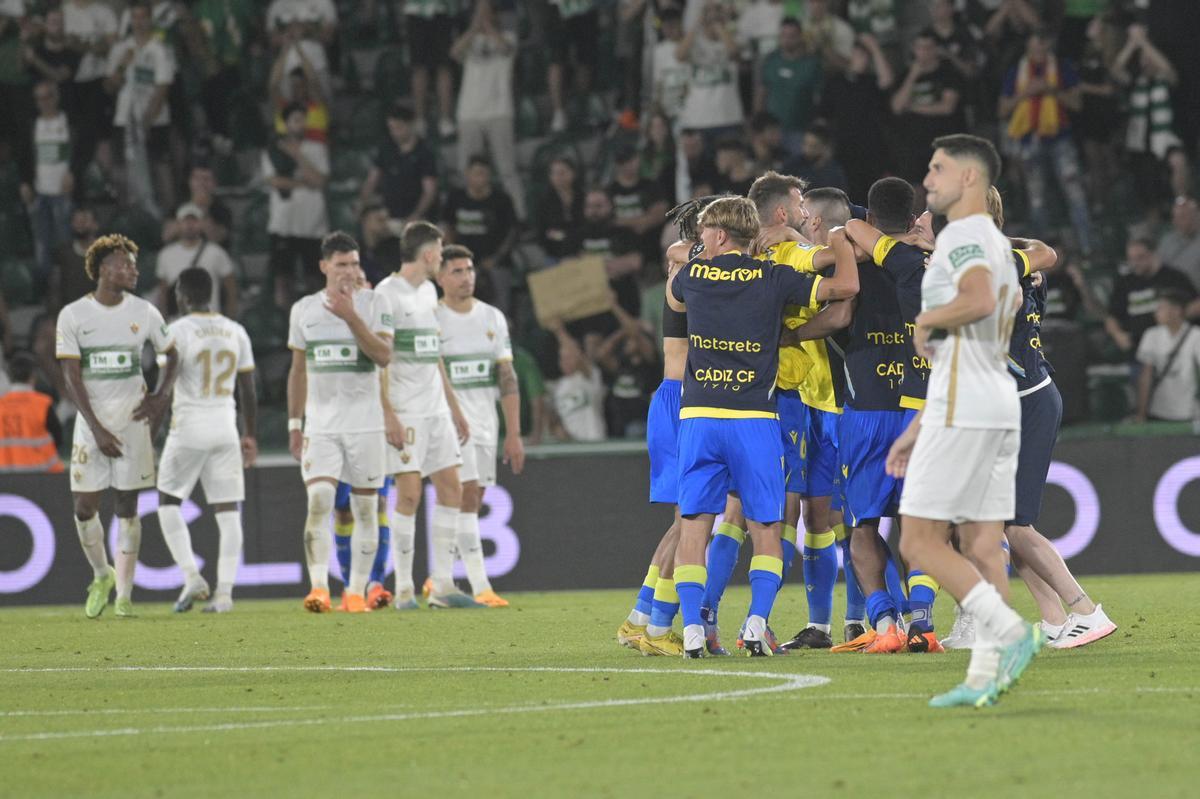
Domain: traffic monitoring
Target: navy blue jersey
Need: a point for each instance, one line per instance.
(734, 310)
(875, 351)
(905, 264)
(1026, 360)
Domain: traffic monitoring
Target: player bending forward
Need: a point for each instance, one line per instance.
(478, 357)
(99, 344)
(214, 359)
(959, 454)
(340, 337)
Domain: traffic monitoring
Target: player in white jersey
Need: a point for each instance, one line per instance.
(340, 338)
(100, 339)
(203, 444)
(959, 455)
(478, 357)
(426, 413)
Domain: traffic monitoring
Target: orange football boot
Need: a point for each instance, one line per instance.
(318, 601)
(889, 643)
(858, 644)
(353, 603)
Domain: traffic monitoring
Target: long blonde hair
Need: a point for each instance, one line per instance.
(995, 206)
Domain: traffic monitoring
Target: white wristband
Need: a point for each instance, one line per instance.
(295, 424)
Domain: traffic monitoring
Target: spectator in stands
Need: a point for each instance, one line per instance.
(533, 394)
(30, 433)
(1008, 28)
(766, 142)
(1040, 94)
(578, 395)
(828, 34)
(927, 105)
(91, 28)
(404, 171)
(657, 153)
(758, 28)
(713, 104)
(700, 173)
(141, 69)
(735, 167)
(228, 28)
(629, 359)
(217, 222)
(638, 203)
(49, 197)
(15, 33)
(429, 28)
(571, 34)
(318, 17)
(879, 19)
(1150, 135)
(1169, 356)
(816, 162)
(379, 246)
(50, 56)
(854, 104)
(485, 98)
(1179, 247)
(957, 42)
(1135, 293)
(600, 235)
(481, 217)
(301, 85)
(68, 281)
(1099, 118)
(192, 249)
(788, 84)
(560, 210)
(296, 169)
(1068, 294)
(670, 75)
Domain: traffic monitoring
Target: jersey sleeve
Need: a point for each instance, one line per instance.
(797, 288)
(503, 342)
(295, 331)
(245, 361)
(382, 321)
(222, 263)
(791, 254)
(66, 344)
(1021, 259)
(164, 67)
(160, 335)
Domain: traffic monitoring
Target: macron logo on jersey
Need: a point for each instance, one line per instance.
(710, 272)
(966, 254)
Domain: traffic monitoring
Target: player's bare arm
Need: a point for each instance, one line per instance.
(297, 396)
(248, 407)
(377, 347)
(106, 442)
(393, 428)
(844, 283)
(672, 303)
(154, 404)
(510, 403)
(461, 425)
(1041, 255)
(773, 235)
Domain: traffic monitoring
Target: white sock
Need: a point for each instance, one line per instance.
(693, 636)
(229, 525)
(985, 659)
(179, 540)
(639, 618)
(1003, 625)
(885, 621)
(316, 533)
(404, 539)
(91, 538)
(470, 549)
(364, 542)
(825, 628)
(129, 541)
(444, 528)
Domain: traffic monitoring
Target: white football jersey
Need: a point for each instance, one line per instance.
(969, 383)
(415, 387)
(108, 341)
(473, 343)
(213, 351)
(343, 383)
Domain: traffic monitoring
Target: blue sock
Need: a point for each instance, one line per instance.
(895, 587)
(766, 575)
(645, 596)
(1007, 556)
(856, 603)
(689, 585)
(820, 573)
(879, 605)
(379, 568)
(722, 559)
(922, 591)
(788, 542)
(665, 604)
(341, 539)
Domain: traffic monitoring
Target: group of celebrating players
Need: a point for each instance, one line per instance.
(384, 383)
(885, 374)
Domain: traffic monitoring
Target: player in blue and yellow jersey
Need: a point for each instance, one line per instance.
(878, 359)
(729, 432)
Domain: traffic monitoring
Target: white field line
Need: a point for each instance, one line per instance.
(784, 682)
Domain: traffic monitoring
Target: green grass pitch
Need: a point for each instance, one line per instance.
(538, 700)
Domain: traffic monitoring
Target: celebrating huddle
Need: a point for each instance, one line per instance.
(383, 383)
(918, 391)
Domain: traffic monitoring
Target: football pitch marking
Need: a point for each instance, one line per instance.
(782, 683)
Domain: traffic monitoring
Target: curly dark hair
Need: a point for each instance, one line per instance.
(102, 248)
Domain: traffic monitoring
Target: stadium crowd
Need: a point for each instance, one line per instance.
(221, 135)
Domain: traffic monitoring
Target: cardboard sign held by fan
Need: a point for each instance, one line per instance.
(575, 288)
